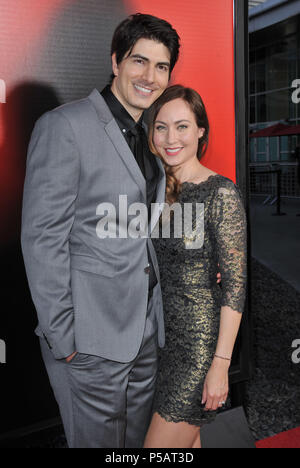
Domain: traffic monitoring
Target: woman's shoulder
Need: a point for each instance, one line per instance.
(228, 191)
(214, 186)
(216, 181)
(225, 185)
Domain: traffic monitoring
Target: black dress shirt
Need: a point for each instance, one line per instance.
(136, 138)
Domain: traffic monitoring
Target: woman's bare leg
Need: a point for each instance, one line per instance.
(163, 434)
(197, 441)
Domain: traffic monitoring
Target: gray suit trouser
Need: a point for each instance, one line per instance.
(106, 404)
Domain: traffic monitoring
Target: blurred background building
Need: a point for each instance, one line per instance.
(274, 85)
(274, 39)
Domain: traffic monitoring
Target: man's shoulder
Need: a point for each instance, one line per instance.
(80, 111)
(74, 109)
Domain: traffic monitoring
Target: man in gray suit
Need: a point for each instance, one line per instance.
(97, 292)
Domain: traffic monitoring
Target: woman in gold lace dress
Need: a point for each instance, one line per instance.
(202, 318)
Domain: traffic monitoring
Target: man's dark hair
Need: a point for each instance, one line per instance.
(140, 26)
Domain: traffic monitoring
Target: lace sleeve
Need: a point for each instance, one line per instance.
(230, 227)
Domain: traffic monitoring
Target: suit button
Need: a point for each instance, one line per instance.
(147, 270)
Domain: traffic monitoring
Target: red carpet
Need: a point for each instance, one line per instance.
(289, 439)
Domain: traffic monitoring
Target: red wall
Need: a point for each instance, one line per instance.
(23, 29)
(207, 64)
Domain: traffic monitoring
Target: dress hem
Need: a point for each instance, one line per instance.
(193, 422)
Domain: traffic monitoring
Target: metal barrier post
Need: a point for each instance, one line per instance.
(278, 213)
(278, 189)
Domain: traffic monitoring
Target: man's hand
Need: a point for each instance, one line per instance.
(69, 359)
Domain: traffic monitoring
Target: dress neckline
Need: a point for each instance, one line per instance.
(203, 182)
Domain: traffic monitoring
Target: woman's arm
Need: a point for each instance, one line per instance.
(230, 228)
(229, 327)
(216, 386)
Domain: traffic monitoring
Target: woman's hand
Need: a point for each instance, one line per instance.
(216, 385)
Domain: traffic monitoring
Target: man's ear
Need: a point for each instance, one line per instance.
(114, 64)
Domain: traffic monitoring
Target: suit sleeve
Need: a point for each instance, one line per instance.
(50, 192)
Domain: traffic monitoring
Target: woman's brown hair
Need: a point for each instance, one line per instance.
(197, 106)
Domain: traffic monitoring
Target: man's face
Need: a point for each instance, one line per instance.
(142, 76)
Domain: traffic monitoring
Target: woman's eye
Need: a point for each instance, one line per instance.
(182, 127)
(159, 128)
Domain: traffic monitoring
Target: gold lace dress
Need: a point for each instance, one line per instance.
(191, 296)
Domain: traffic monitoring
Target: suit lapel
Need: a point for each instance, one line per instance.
(160, 196)
(126, 155)
(118, 141)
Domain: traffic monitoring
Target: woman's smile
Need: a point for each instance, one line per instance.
(173, 151)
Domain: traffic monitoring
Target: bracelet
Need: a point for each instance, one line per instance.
(224, 358)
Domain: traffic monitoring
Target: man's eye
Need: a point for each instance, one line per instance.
(139, 61)
(163, 68)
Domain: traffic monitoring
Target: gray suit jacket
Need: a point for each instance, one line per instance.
(90, 293)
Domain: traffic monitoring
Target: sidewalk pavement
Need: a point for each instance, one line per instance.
(275, 240)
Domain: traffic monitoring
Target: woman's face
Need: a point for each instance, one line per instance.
(176, 134)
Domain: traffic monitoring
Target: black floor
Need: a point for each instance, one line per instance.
(273, 395)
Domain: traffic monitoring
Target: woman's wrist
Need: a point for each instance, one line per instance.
(222, 357)
(221, 361)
